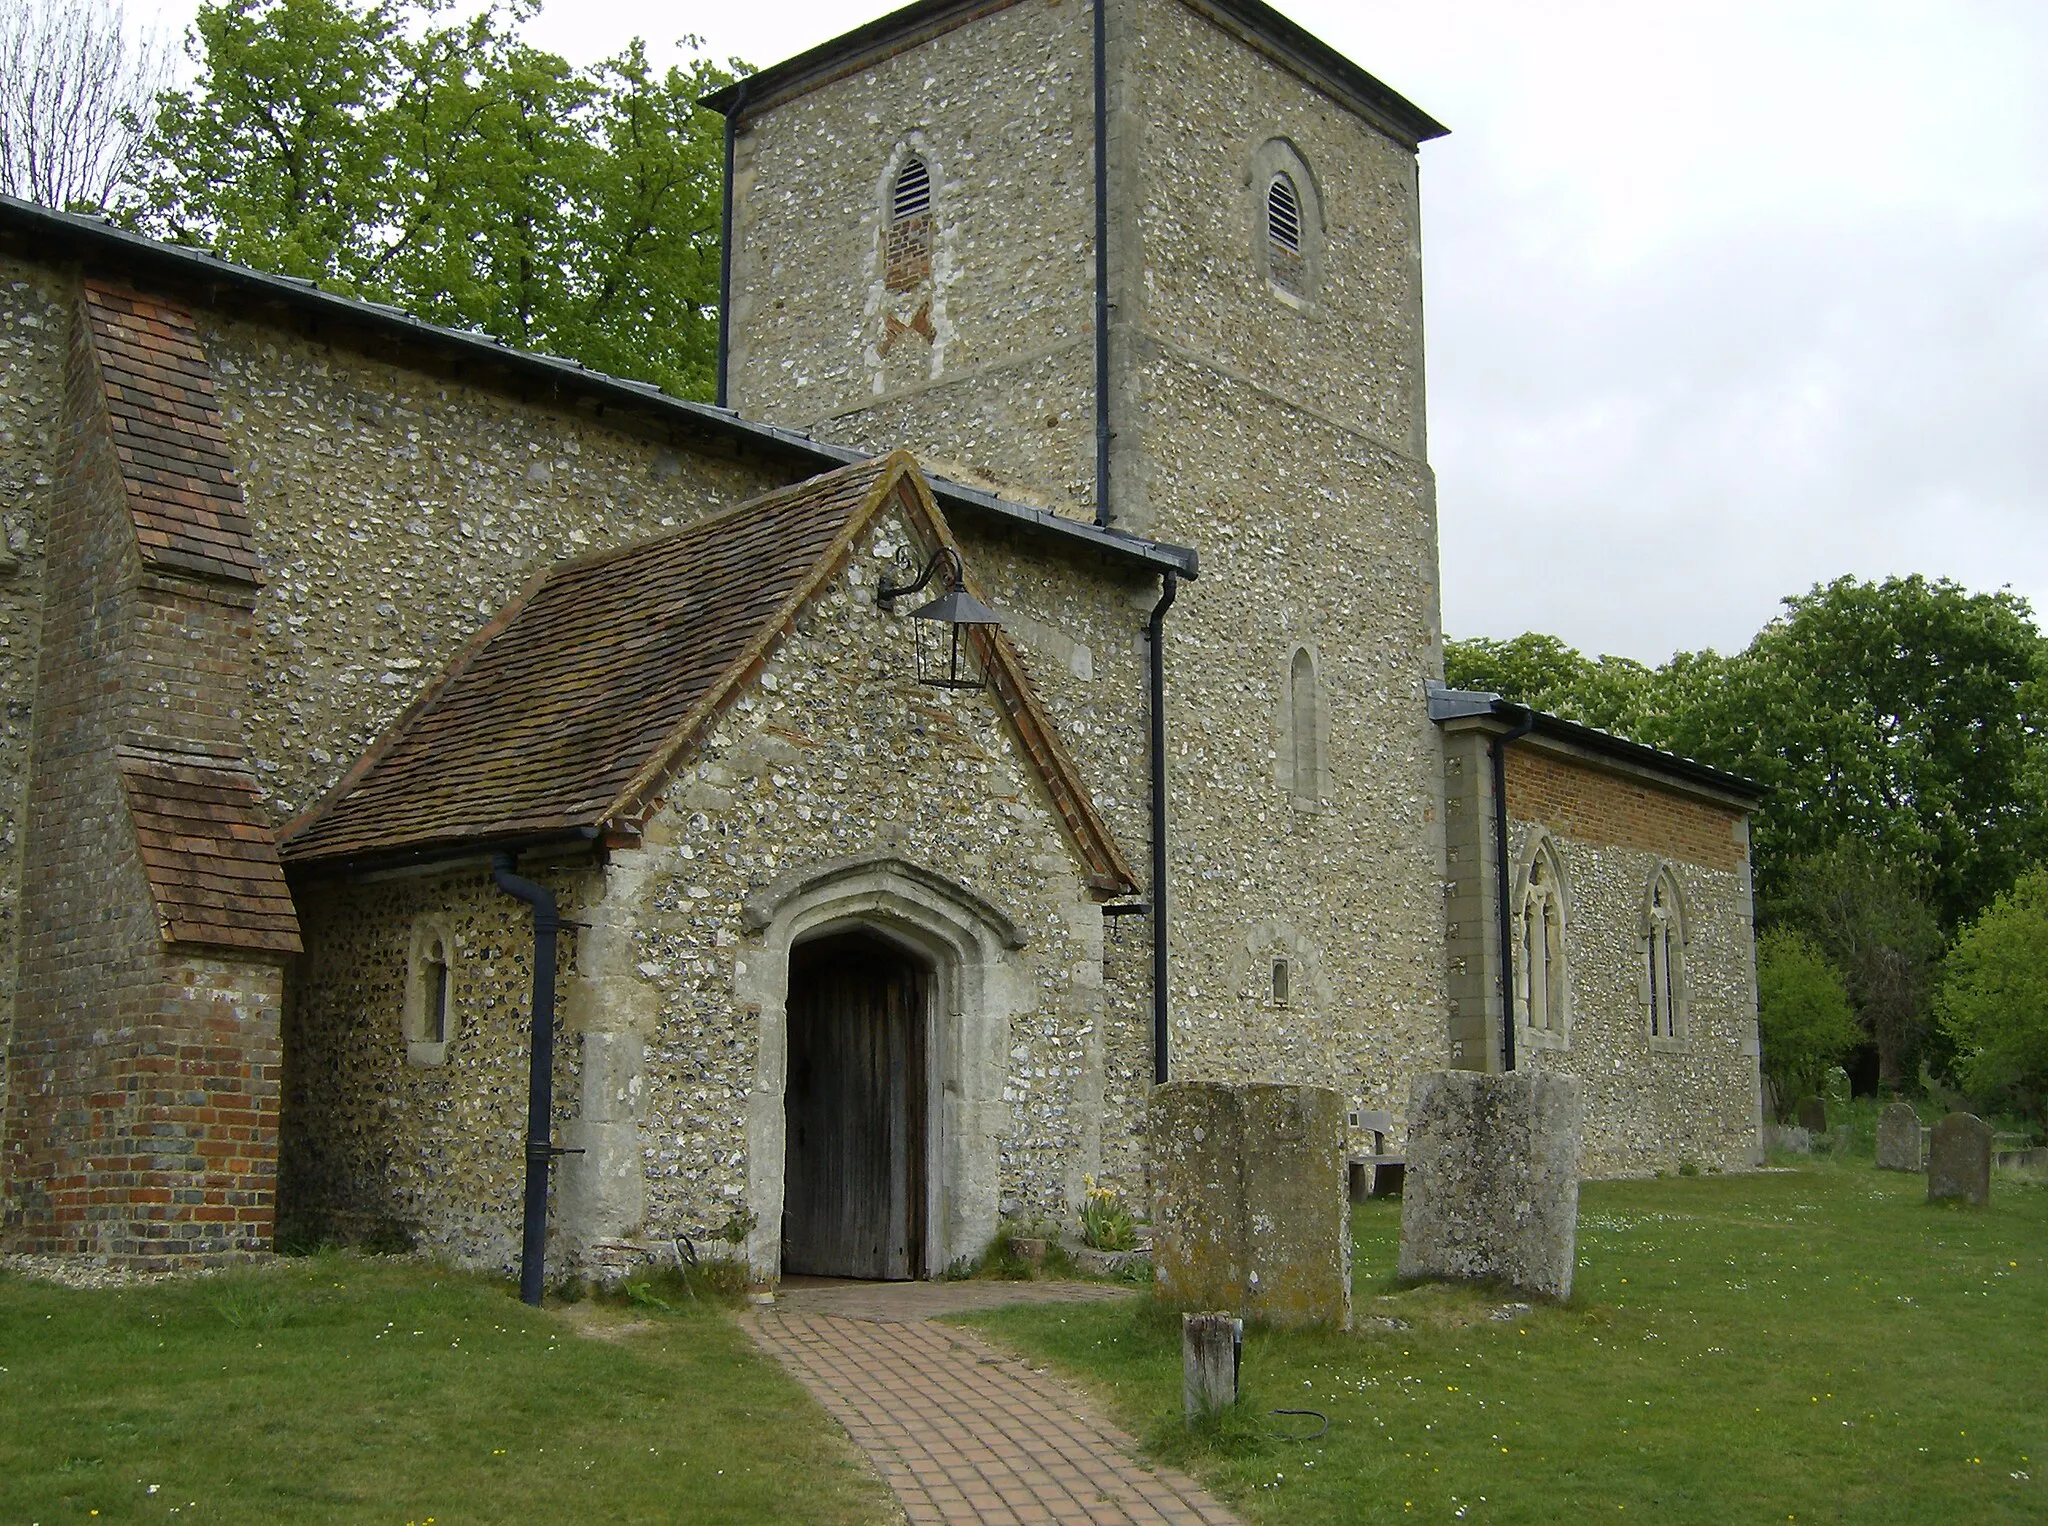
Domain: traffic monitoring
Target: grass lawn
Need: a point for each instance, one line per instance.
(347, 1389)
(1819, 1345)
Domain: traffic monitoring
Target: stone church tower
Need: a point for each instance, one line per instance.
(1156, 263)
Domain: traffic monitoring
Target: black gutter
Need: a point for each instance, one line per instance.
(1102, 434)
(1503, 882)
(540, 1075)
(1156, 639)
(40, 235)
(732, 128)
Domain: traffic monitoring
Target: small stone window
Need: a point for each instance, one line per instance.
(1283, 982)
(907, 250)
(1283, 228)
(1542, 971)
(1304, 730)
(430, 996)
(1663, 960)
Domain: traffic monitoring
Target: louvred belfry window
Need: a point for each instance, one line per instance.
(1283, 233)
(907, 246)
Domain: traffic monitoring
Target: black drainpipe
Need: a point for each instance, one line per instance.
(732, 127)
(1502, 886)
(1102, 276)
(1156, 633)
(540, 1075)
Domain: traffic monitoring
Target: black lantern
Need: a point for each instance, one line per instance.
(954, 608)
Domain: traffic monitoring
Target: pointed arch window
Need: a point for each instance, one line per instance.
(1663, 958)
(1542, 970)
(907, 247)
(1304, 729)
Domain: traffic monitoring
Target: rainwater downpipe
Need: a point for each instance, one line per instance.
(1102, 431)
(732, 128)
(1156, 642)
(540, 1075)
(1502, 881)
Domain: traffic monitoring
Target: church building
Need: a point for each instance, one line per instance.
(1023, 686)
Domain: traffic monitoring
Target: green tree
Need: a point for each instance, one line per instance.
(1906, 714)
(1867, 913)
(1614, 693)
(391, 152)
(1993, 998)
(1803, 1016)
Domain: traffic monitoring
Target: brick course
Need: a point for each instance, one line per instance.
(1596, 806)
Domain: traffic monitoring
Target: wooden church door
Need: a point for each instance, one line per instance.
(853, 1195)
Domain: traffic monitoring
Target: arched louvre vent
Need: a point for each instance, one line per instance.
(913, 196)
(1283, 215)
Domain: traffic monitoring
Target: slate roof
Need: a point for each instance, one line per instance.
(183, 495)
(210, 857)
(386, 333)
(569, 711)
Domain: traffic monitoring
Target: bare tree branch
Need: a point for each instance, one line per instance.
(76, 99)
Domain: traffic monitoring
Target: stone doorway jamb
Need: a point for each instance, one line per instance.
(978, 984)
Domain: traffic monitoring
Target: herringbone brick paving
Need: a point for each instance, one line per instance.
(961, 1431)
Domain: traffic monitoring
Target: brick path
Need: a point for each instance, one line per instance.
(963, 1432)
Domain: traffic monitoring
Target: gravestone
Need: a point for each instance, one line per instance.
(1813, 1116)
(1898, 1138)
(1493, 1180)
(1834, 1088)
(1959, 1160)
(1251, 1211)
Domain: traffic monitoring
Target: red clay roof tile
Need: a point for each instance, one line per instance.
(571, 709)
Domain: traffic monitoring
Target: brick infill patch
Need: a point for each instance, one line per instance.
(961, 1431)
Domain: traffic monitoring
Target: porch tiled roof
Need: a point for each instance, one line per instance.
(569, 711)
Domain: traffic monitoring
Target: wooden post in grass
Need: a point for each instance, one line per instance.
(1211, 1346)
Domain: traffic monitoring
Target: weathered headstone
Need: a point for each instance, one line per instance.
(1211, 1347)
(1959, 1160)
(1813, 1116)
(1493, 1180)
(1834, 1088)
(1251, 1211)
(1898, 1138)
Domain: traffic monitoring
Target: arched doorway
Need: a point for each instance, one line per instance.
(855, 1109)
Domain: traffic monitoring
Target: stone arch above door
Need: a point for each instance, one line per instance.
(979, 984)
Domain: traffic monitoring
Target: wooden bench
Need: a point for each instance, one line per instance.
(1381, 1173)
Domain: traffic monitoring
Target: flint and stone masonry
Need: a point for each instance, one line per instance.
(252, 529)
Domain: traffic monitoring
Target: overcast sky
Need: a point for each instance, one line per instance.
(1724, 298)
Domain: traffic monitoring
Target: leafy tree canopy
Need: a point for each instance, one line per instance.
(391, 151)
(1993, 999)
(1803, 1014)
